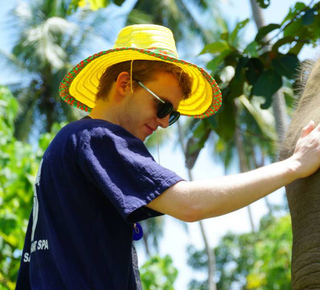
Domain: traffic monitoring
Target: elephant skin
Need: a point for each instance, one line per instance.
(304, 194)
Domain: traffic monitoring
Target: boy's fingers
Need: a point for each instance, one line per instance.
(307, 129)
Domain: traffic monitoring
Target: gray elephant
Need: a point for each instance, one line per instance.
(304, 194)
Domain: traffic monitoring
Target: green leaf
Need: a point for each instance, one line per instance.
(263, 31)
(308, 17)
(254, 69)
(232, 59)
(292, 28)
(281, 42)
(199, 129)
(226, 120)
(216, 61)
(224, 36)
(263, 3)
(215, 47)
(239, 26)
(268, 83)
(286, 65)
(299, 6)
(211, 121)
(297, 48)
(118, 2)
(237, 82)
(258, 117)
(252, 49)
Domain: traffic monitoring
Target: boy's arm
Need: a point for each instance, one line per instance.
(196, 200)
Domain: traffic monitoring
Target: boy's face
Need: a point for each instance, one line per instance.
(140, 108)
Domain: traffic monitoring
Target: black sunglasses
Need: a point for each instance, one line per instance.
(164, 108)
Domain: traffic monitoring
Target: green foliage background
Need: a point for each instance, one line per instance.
(257, 261)
(18, 167)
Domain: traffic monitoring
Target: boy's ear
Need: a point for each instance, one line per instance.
(122, 82)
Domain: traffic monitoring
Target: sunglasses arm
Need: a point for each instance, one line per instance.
(152, 93)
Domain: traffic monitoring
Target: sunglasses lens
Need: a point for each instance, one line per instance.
(164, 110)
(174, 116)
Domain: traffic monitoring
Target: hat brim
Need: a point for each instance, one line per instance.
(79, 87)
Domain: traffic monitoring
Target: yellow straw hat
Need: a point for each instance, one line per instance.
(140, 42)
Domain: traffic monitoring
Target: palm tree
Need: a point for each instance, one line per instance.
(48, 41)
(181, 16)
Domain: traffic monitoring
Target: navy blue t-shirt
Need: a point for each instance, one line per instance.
(93, 183)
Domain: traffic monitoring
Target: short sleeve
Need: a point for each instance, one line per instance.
(121, 167)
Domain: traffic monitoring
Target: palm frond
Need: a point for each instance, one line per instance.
(12, 63)
(47, 41)
(27, 105)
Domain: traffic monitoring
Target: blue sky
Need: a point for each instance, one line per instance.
(175, 238)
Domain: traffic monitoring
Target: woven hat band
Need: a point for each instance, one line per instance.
(155, 38)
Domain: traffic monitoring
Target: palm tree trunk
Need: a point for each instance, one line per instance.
(146, 244)
(211, 258)
(210, 253)
(279, 111)
(243, 168)
(257, 14)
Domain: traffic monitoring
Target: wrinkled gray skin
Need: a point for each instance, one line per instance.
(304, 194)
